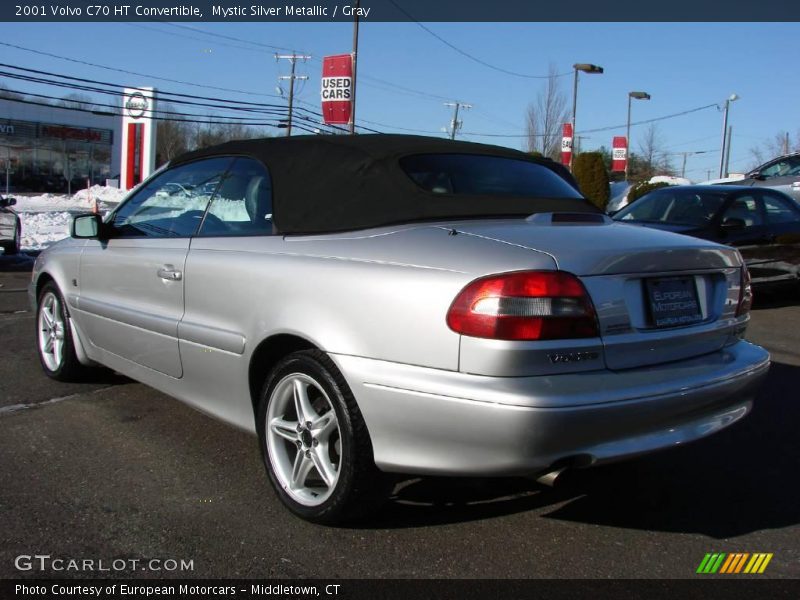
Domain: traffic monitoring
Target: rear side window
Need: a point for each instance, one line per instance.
(675, 206)
(243, 202)
(780, 210)
(479, 175)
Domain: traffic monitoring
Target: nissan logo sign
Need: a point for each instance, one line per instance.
(136, 105)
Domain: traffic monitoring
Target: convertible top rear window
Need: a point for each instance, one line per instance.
(482, 175)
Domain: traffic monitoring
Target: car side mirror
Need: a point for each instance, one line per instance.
(756, 175)
(86, 227)
(733, 224)
(8, 201)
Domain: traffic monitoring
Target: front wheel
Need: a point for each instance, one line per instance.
(54, 337)
(314, 442)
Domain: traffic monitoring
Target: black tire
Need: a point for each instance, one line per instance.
(69, 369)
(361, 487)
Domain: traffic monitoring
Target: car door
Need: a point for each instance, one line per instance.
(742, 226)
(782, 175)
(233, 279)
(783, 232)
(131, 285)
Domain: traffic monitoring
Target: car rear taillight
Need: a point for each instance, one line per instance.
(524, 305)
(745, 293)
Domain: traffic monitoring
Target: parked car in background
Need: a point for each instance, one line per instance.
(618, 195)
(379, 304)
(762, 223)
(10, 226)
(620, 190)
(782, 174)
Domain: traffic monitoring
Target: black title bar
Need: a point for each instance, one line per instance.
(397, 10)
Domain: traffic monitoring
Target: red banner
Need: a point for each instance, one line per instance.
(337, 89)
(620, 153)
(566, 144)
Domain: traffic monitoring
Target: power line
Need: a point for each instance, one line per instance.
(114, 107)
(85, 88)
(119, 114)
(162, 92)
(192, 37)
(229, 37)
(125, 71)
(600, 129)
(377, 80)
(470, 56)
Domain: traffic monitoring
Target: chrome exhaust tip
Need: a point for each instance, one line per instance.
(550, 477)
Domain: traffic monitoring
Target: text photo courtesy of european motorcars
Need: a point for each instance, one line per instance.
(382, 304)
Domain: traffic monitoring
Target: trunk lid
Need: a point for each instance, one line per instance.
(619, 265)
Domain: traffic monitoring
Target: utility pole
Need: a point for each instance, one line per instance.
(577, 145)
(687, 154)
(455, 124)
(786, 143)
(292, 58)
(355, 63)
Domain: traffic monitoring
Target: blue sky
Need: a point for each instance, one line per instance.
(682, 65)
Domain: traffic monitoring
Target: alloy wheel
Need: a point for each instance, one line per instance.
(304, 439)
(51, 331)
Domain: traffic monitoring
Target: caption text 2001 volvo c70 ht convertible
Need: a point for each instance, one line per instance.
(379, 304)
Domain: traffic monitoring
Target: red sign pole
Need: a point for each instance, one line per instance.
(566, 145)
(337, 89)
(620, 153)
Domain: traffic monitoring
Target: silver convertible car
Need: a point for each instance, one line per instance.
(386, 304)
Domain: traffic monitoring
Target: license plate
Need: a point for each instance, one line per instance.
(673, 301)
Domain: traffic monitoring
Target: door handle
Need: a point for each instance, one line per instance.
(169, 273)
(796, 184)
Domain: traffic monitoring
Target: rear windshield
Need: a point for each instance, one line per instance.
(479, 175)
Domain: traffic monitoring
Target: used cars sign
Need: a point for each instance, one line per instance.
(337, 89)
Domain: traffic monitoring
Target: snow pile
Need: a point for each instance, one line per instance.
(80, 201)
(101, 193)
(40, 229)
(46, 218)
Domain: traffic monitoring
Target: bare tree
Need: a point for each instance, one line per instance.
(76, 101)
(776, 146)
(653, 160)
(210, 134)
(546, 116)
(173, 135)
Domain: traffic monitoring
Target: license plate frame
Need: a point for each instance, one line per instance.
(673, 301)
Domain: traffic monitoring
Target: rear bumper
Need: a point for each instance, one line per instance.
(442, 422)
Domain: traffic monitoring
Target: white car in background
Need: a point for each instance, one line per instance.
(10, 227)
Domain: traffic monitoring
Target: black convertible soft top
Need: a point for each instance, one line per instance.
(327, 183)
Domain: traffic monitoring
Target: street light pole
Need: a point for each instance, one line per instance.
(728, 101)
(586, 68)
(638, 96)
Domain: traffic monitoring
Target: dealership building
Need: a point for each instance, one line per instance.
(54, 149)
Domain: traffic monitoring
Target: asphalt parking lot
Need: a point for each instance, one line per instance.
(113, 469)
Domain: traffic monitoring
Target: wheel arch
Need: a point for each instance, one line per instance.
(42, 280)
(267, 354)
